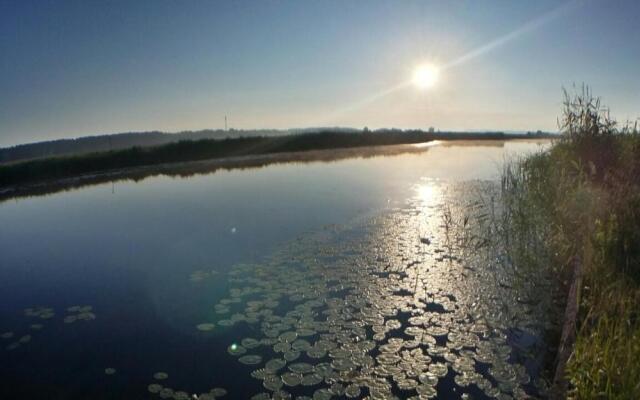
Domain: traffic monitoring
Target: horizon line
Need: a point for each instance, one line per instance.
(300, 129)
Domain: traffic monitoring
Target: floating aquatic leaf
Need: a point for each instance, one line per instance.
(436, 330)
(40, 312)
(272, 383)
(275, 364)
(414, 331)
(166, 393)
(291, 355)
(250, 359)
(25, 339)
(205, 327)
(306, 332)
(154, 388)
(352, 391)
(407, 384)
(311, 380)
(109, 371)
(300, 345)
(160, 376)
(323, 369)
(325, 345)
(291, 378)
(281, 395)
(301, 368)
(343, 364)
(316, 352)
(250, 343)
(237, 317)
(322, 394)
(281, 347)
(261, 373)
(337, 389)
(181, 396)
(200, 275)
(86, 316)
(288, 336)
(426, 391)
(6, 335)
(218, 392)
(428, 378)
(439, 370)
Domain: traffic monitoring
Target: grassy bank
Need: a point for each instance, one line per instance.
(65, 167)
(580, 200)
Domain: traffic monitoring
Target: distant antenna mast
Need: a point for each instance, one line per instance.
(225, 123)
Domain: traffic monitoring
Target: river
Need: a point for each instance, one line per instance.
(344, 277)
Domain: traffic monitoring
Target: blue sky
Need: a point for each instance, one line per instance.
(75, 68)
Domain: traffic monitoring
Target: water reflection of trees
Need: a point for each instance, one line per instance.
(193, 168)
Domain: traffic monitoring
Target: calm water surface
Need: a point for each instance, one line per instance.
(350, 273)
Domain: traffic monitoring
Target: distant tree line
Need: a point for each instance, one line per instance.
(192, 150)
(120, 141)
(91, 144)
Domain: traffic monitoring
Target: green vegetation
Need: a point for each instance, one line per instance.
(55, 168)
(580, 200)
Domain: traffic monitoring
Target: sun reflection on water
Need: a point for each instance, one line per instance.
(428, 192)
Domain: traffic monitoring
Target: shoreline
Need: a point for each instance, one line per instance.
(250, 161)
(55, 167)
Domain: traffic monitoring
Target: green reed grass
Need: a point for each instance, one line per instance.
(582, 198)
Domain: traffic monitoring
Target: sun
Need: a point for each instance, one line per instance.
(426, 76)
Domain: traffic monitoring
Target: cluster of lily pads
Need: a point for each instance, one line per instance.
(22, 340)
(40, 312)
(402, 305)
(165, 392)
(79, 313)
(201, 275)
(390, 308)
(76, 313)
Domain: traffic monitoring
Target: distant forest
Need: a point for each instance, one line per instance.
(117, 141)
(120, 141)
(59, 167)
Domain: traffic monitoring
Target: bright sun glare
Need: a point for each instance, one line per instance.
(425, 76)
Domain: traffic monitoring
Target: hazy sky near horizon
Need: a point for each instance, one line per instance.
(76, 68)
